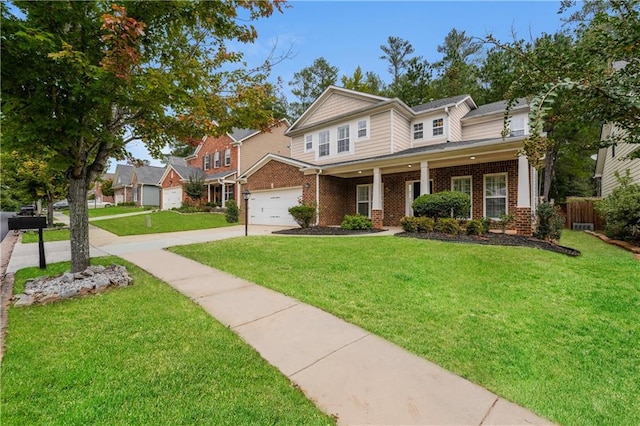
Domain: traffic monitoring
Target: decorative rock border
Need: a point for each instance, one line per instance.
(94, 279)
(622, 244)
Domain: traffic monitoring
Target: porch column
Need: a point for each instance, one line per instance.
(424, 178)
(377, 213)
(208, 193)
(224, 195)
(523, 206)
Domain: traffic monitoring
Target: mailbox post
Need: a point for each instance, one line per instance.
(35, 222)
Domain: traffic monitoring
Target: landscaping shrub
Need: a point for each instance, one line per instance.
(442, 204)
(475, 227)
(232, 212)
(127, 204)
(304, 214)
(621, 210)
(448, 226)
(356, 222)
(417, 224)
(505, 221)
(486, 224)
(549, 222)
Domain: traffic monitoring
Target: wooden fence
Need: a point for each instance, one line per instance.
(580, 210)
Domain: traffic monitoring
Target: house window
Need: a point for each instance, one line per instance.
(363, 130)
(216, 160)
(363, 200)
(323, 144)
(418, 131)
(206, 162)
(438, 127)
(308, 143)
(613, 151)
(495, 195)
(230, 192)
(463, 184)
(516, 127)
(227, 157)
(343, 139)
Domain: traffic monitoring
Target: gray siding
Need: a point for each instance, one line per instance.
(619, 164)
(150, 195)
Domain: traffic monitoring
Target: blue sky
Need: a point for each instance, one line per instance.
(350, 33)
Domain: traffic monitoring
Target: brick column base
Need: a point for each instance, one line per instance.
(377, 217)
(524, 224)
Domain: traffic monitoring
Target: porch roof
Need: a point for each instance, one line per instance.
(219, 175)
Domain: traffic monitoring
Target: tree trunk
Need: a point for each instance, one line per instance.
(549, 164)
(79, 223)
(49, 212)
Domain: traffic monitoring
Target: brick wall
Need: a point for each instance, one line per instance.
(337, 199)
(209, 147)
(275, 174)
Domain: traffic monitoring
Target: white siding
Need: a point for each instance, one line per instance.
(620, 165)
(274, 141)
(335, 105)
(428, 138)
(401, 132)
(455, 127)
(297, 148)
(484, 130)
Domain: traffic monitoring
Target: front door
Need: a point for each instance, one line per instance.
(413, 192)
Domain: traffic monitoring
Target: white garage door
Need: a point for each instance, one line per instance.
(171, 197)
(272, 207)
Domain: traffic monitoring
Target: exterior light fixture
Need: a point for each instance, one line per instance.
(246, 194)
(473, 157)
(359, 172)
(409, 165)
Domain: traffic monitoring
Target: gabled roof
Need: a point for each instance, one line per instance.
(496, 107)
(239, 134)
(446, 102)
(220, 175)
(172, 159)
(184, 172)
(123, 175)
(149, 175)
(271, 156)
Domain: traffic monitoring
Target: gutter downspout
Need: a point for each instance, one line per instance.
(318, 197)
(446, 110)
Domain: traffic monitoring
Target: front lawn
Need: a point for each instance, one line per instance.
(110, 211)
(556, 334)
(140, 355)
(163, 221)
(48, 235)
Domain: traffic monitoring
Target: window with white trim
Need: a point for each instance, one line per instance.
(324, 141)
(343, 139)
(495, 195)
(363, 129)
(364, 199)
(308, 143)
(463, 184)
(216, 160)
(206, 162)
(418, 131)
(227, 157)
(438, 127)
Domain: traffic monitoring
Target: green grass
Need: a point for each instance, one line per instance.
(556, 334)
(164, 221)
(110, 211)
(140, 355)
(48, 235)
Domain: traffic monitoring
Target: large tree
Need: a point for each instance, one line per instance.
(83, 79)
(368, 82)
(397, 53)
(309, 83)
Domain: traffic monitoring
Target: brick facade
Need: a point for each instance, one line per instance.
(524, 222)
(274, 175)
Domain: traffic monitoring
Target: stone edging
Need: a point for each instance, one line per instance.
(622, 244)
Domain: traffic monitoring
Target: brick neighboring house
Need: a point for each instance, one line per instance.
(353, 152)
(219, 160)
(97, 189)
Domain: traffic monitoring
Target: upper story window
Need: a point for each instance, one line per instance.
(363, 129)
(308, 143)
(227, 157)
(438, 127)
(324, 141)
(517, 126)
(216, 159)
(418, 131)
(206, 162)
(343, 138)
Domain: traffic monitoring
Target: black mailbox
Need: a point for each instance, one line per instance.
(34, 222)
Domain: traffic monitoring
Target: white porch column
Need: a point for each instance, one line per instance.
(224, 194)
(424, 178)
(524, 187)
(376, 201)
(208, 193)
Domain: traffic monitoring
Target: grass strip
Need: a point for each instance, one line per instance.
(48, 235)
(163, 221)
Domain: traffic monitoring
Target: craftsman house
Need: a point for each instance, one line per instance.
(218, 161)
(353, 152)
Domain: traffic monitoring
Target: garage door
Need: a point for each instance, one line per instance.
(171, 198)
(272, 207)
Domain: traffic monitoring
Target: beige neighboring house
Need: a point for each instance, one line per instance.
(614, 159)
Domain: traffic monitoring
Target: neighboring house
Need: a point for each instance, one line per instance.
(145, 185)
(122, 188)
(353, 152)
(614, 159)
(218, 161)
(97, 189)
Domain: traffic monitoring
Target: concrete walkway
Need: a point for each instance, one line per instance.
(346, 371)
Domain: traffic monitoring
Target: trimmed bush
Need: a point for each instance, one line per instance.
(356, 222)
(232, 212)
(505, 220)
(621, 210)
(475, 227)
(127, 204)
(442, 204)
(486, 224)
(448, 226)
(549, 222)
(417, 224)
(303, 214)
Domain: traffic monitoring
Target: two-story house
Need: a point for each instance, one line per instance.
(614, 159)
(218, 161)
(353, 152)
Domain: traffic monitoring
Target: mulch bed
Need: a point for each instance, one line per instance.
(325, 230)
(494, 239)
